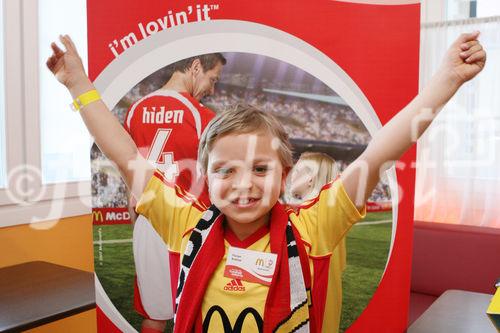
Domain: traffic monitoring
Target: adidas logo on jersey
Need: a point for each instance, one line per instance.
(234, 285)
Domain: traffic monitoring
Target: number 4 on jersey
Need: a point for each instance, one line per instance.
(164, 160)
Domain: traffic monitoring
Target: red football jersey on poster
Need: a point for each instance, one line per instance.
(166, 126)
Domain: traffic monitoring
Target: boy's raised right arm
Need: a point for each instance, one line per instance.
(107, 131)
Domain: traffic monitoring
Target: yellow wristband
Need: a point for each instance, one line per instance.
(85, 99)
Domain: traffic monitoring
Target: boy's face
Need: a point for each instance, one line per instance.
(245, 178)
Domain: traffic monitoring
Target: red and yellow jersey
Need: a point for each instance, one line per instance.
(322, 224)
(166, 126)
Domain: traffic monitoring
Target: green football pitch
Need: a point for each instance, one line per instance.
(368, 245)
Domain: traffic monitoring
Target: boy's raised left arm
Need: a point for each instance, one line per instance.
(463, 61)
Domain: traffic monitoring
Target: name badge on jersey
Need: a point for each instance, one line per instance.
(251, 266)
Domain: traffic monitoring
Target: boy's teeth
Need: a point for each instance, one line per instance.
(244, 201)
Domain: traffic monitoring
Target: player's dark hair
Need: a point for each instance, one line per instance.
(208, 62)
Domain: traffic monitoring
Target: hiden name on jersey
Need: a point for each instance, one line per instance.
(158, 115)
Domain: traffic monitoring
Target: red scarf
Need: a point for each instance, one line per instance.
(277, 308)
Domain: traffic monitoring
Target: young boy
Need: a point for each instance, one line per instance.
(246, 155)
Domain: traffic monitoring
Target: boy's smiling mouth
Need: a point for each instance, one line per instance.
(244, 202)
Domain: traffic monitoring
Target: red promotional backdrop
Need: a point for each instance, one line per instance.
(376, 45)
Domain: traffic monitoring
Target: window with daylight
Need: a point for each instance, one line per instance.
(463, 9)
(65, 143)
(44, 146)
(458, 178)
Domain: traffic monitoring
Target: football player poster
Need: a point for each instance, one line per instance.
(333, 72)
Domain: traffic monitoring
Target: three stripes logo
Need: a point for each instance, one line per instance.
(234, 285)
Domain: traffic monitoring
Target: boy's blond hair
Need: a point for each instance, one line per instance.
(244, 119)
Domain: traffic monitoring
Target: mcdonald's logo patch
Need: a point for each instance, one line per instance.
(96, 216)
(103, 216)
(259, 262)
(234, 285)
(252, 314)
